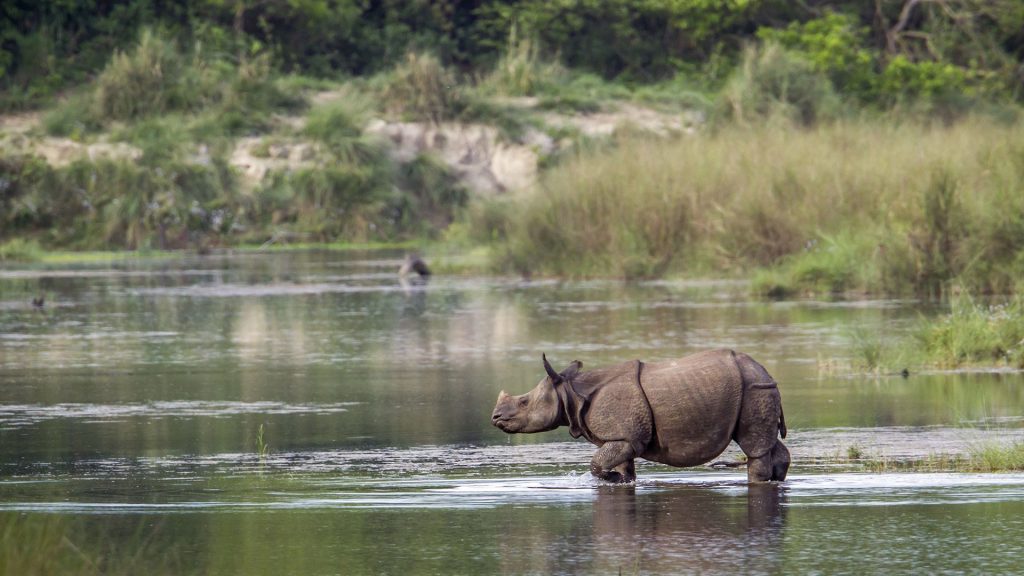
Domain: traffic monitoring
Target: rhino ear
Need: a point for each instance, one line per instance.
(555, 376)
(573, 369)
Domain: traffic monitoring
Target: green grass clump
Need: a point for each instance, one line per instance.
(73, 118)
(339, 128)
(772, 82)
(119, 204)
(20, 250)
(995, 458)
(421, 88)
(151, 79)
(976, 333)
(520, 71)
(984, 458)
(155, 78)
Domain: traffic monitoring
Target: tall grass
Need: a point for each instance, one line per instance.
(421, 88)
(996, 458)
(977, 333)
(868, 205)
(151, 79)
(56, 544)
(116, 203)
(156, 77)
(522, 71)
(774, 83)
(20, 250)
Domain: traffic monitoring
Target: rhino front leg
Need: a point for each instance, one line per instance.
(770, 467)
(613, 462)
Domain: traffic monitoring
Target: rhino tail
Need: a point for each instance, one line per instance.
(782, 422)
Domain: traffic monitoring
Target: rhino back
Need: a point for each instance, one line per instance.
(695, 401)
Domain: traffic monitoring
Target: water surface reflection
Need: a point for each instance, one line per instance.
(130, 407)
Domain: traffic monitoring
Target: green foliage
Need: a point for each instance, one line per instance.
(828, 264)
(339, 127)
(773, 83)
(521, 71)
(997, 458)
(73, 118)
(434, 195)
(149, 80)
(262, 448)
(854, 452)
(118, 204)
(620, 38)
(964, 48)
(252, 96)
(977, 333)
(421, 88)
(834, 45)
(903, 78)
(20, 250)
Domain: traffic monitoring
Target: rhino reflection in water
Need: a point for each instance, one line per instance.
(678, 412)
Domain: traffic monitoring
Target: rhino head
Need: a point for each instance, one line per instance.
(538, 410)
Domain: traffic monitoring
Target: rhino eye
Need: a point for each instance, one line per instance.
(523, 402)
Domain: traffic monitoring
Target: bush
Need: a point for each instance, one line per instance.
(434, 195)
(250, 96)
(771, 82)
(833, 45)
(72, 118)
(20, 250)
(112, 203)
(420, 88)
(144, 82)
(977, 333)
(521, 72)
(339, 127)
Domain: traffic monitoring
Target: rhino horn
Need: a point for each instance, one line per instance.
(555, 376)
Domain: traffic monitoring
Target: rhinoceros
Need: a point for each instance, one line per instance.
(681, 412)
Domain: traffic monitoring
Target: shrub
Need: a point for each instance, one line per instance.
(434, 195)
(339, 127)
(772, 82)
(974, 332)
(421, 88)
(521, 72)
(20, 250)
(144, 82)
(251, 96)
(73, 118)
(833, 45)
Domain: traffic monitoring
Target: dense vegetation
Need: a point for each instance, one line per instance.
(864, 206)
(848, 146)
(877, 51)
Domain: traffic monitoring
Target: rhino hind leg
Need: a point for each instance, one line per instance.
(771, 466)
(613, 462)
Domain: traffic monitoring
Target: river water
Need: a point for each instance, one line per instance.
(132, 402)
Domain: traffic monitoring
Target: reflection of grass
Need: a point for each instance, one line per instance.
(56, 544)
